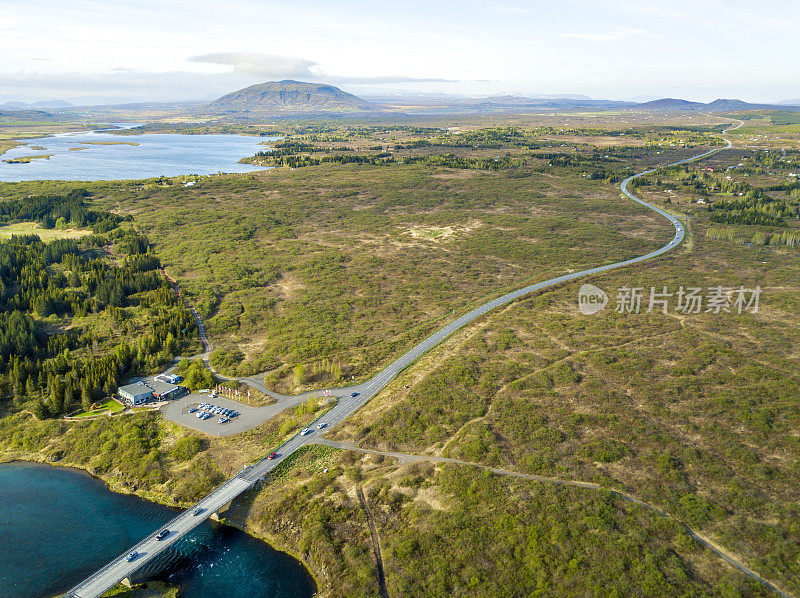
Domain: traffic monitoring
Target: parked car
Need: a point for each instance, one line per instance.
(192, 410)
(223, 420)
(272, 455)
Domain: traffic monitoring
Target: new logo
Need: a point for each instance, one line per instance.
(591, 299)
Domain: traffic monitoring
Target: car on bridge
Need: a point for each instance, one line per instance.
(198, 511)
(132, 557)
(162, 534)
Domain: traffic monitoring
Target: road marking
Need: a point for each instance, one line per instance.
(384, 377)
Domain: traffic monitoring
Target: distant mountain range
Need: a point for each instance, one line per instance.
(298, 98)
(277, 98)
(671, 104)
(34, 105)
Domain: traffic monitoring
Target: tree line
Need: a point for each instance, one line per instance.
(53, 366)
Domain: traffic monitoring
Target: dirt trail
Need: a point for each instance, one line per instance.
(705, 542)
(376, 541)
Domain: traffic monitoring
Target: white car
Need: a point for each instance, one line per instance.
(321, 425)
(305, 431)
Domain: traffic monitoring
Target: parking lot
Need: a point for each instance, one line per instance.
(249, 417)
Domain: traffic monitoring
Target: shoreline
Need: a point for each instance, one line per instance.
(150, 497)
(8, 145)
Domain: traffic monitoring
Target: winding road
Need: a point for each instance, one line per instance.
(354, 397)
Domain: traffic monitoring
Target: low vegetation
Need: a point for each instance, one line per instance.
(695, 413)
(342, 264)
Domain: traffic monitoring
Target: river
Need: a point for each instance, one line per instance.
(57, 525)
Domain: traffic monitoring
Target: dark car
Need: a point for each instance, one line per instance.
(355, 394)
(162, 534)
(197, 511)
(272, 455)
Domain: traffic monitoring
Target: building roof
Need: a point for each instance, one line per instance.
(156, 386)
(137, 388)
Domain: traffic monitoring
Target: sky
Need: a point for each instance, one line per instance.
(89, 52)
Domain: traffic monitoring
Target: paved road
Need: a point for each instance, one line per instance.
(351, 399)
(150, 547)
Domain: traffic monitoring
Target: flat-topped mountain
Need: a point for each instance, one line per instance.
(287, 97)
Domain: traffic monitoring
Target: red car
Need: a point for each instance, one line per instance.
(272, 455)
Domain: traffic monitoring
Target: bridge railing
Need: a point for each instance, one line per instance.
(74, 591)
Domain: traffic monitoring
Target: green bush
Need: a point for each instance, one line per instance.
(186, 448)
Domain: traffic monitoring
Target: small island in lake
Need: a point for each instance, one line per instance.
(28, 159)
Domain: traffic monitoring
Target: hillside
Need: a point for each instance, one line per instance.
(721, 105)
(287, 97)
(670, 104)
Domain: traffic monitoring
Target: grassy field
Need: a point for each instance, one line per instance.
(695, 412)
(337, 268)
(14, 129)
(109, 406)
(326, 272)
(45, 234)
(6, 145)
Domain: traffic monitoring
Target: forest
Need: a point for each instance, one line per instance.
(51, 362)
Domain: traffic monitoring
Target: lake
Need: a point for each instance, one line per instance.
(101, 155)
(59, 525)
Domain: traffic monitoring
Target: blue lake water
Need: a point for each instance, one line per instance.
(156, 155)
(59, 525)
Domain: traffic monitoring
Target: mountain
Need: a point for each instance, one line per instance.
(670, 104)
(721, 105)
(726, 105)
(41, 104)
(794, 102)
(279, 98)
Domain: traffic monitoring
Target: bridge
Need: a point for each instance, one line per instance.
(350, 399)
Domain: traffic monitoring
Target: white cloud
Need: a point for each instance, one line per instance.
(272, 66)
(8, 22)
(263, 65)
(502, 7)
(614, 35)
